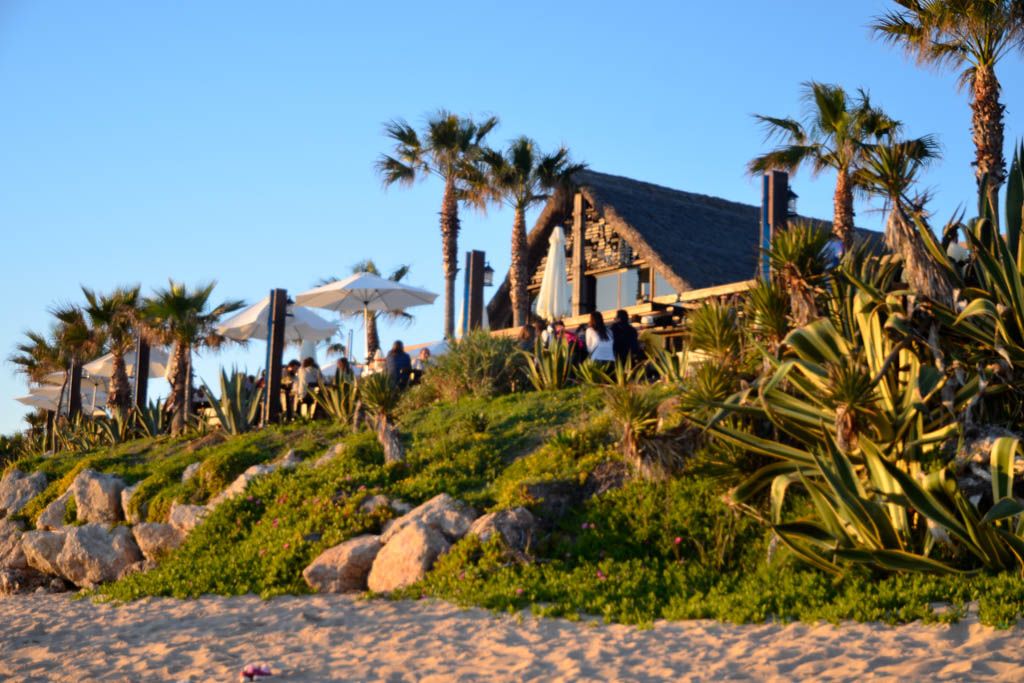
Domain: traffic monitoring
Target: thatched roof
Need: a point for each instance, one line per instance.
(692, 240)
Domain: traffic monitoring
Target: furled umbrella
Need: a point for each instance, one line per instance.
(365, 292)
(301, 324)
(553, 298)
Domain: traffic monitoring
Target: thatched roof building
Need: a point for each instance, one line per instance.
(641, 241)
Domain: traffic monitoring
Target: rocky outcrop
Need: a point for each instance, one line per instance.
(406, 557)
(185, 518)
(52, 516)
(332, 453)
(41, 550)
(516, 526)
(14, 581)
(95, 553)
(289, 460)
(17, 489)
(190, 471)
(442, 513)
(97, 497)
(133, 516)
(12, 556)
(376, 502)
(344, 567)
(156, 540)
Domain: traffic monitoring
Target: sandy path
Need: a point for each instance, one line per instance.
(320, 638)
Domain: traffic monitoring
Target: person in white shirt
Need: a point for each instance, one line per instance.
(600, 342)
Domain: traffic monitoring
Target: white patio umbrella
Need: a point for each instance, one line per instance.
(365, 292)
(301, 324)
(553, 298)
(104, 365)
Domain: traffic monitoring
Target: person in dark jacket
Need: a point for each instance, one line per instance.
(626, 341)
(397, 365)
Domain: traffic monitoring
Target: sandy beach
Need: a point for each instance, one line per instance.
(330, 637)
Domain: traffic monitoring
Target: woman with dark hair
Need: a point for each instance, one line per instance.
(600, 341)
(308, 380)
(627, 341)
(397, 365)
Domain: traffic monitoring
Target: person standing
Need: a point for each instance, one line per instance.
(397, 365)
(626, 344)
(600, 341)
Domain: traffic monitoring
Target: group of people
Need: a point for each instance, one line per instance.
(301, 380)
(605, 344)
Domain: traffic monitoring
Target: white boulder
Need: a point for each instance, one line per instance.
(126, 497)
(185, 518)
(17, 489)
(406, 557)
(52, 516)
(95, 553)
(344, 567)
(156, 540)
(12, 556)
(515, 525)
(41, 549)
(441, 513)
(97, 497)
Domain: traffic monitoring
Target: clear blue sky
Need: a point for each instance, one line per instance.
(235, 140)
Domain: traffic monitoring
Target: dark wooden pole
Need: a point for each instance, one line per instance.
(581, 295)
(475, 277)
(774, 212)
(275, 355)
(75, 389)
(141, 373)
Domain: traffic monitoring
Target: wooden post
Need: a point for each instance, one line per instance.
(49, 438)
(581, 295)
(275, 355)
(774, 212)
(75, 390)
(141, 373)
(475, 287)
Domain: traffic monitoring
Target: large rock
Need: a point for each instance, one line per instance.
(289, 460)
(52, 516)
(41, 549)
(14, 581)
(332, 453)
(17, 489)
(344, 567)
(379, 501)
(516, 526)
(12, 556)
(97, 497)
(185, 518)
(95, 553)
(190, 471)
(238, 486)
(156, 540)
(441, 513)
(136, 516)
(407, 557)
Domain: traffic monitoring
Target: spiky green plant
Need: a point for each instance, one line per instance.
(338, 400)
(549, 367)
(713, 330)
(237, 407)
(380, 397)
(633, 408)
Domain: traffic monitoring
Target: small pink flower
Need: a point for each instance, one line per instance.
(519, 591)
(262, 552)
(275, 522)
(286, 546)
(679, 539)
(600, 575)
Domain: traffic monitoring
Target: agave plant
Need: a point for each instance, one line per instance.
(620, 374)
(380, 397)
(338, 400)
(152, 420)
(799, 258)
(670, 367)
(634, 410)
(713, 332)
(550, 367)
(238, 407)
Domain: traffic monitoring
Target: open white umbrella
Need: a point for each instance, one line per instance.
(553, 298)
(301, 324)
(38, 401)
(365, 292)
(104, 365)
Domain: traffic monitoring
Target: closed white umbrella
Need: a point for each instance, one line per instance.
(301, 324)
(365, 292)
(104, 365)
(553, 298)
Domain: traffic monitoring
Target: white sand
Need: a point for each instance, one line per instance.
(320, 638)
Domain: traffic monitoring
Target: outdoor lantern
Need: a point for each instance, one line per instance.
(791, 198)
(488, 275)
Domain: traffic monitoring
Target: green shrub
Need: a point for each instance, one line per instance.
(476, 365)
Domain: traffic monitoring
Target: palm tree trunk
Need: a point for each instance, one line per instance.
(389, 440)
(372, 336)
(920, 270)
(842, 208)
(517, 273)
(987, 130)
(449, 252)
(178, 396)
(120, 398)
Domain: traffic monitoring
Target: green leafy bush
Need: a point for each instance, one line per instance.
(476, 365)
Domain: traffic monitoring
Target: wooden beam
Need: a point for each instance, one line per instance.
(141, 373)
(581, 303)
(275, 355)
(475, 277)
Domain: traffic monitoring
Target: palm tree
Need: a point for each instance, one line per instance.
(521, 177)
(370, 317)
(834, 134)
(114, 316)
(75, 338)
(448, 148)
(37, 356)
(889, 171)
(179, 316)
(972, 35)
